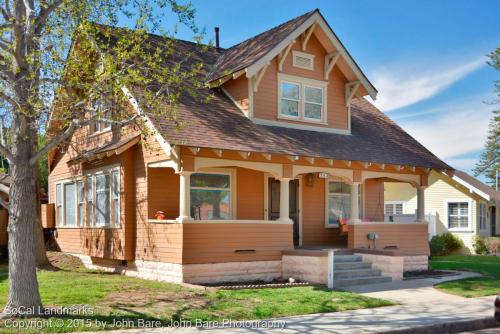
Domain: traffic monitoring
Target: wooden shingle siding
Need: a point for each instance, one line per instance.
(314, 232)
(219, 242)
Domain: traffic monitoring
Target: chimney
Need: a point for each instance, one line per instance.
(217, 45)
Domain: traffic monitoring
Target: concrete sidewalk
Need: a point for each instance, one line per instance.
(422, 306)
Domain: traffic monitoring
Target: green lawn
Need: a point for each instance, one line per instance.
(119, 297)
(487, 285)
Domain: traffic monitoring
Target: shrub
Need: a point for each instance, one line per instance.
(480, 246)
(445, 244)
(493, 245)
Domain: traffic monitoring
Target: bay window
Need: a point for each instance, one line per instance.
(302, 99)
(210, 196)
(90, 202)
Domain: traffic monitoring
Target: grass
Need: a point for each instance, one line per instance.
(488, 266)
(114, 297)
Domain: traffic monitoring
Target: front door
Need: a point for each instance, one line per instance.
(274, 204)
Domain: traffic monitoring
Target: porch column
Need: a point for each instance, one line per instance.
(355, 201)
(285, 199)
(420, 204)
(184, 197)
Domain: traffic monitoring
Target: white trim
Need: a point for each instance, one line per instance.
(315, 18)
(298, 126)
(167, 148)
(469, 214)
(304, 55)
(403, 203)
(235, 221)
(236, 103)
(232, 187)
(384, 223)
(471, 187)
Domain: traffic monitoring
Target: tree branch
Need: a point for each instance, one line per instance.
(75, 124)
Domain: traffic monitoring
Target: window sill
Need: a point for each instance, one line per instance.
(162, 221)
(88, 227)
(463, 230)
(332, 226)
(301, 120)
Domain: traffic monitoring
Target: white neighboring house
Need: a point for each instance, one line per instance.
(461, 204)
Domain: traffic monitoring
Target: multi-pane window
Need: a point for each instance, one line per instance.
(458, 215)
(100, 111)
(59, 203)
(393, 208)
(302, 101)
(81, 202)
(93, 201)
(210, 196)
(482, 216)
(102, 205)
(339, 202)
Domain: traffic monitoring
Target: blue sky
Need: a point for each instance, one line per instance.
(426, 58)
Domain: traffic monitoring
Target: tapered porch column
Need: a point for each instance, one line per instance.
(184, 197)
(355, 201)
(285, 199)
(421, 204)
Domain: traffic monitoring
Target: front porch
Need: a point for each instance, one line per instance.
(236, 211)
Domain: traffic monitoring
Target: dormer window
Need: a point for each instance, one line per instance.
(302, 99)
(100, 111)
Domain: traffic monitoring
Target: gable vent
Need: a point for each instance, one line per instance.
(303, 60)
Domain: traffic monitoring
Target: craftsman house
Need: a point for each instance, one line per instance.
(286, 163)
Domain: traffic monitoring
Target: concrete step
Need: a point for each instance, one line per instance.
(352, 265)
(356, 273)
(347, 258)
(360, 281)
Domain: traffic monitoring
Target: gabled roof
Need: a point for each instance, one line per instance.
(476, 186)
(255, 52)
(106, 150)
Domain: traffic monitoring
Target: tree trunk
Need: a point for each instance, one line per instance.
(23, 220)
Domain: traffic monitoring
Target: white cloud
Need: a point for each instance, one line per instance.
(458, 127)
(402, 86)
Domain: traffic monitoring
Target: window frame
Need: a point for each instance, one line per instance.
(89, 210)
(327, 200)
(232, 190)
(394, 203)
(483, 216)
(61, 219)
(469, 227)
(303, 83)
(97, 126)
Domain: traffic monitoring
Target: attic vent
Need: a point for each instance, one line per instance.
(303, 60)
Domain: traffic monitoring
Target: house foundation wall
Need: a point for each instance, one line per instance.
(417, 262)
(232, 272)
(391, 266)
(312, 269)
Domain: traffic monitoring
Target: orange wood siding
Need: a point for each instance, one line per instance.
(238, 89)
(266, 98)
(219, 242)
(163, 192)
(48, 219)
(374, 200)
(116, 243)
(411, 239)
(314, 232)
(154, 242)
(250, 194)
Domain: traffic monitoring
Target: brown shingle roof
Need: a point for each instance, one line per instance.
(478, 184)
(220, 124)
(248, 52)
